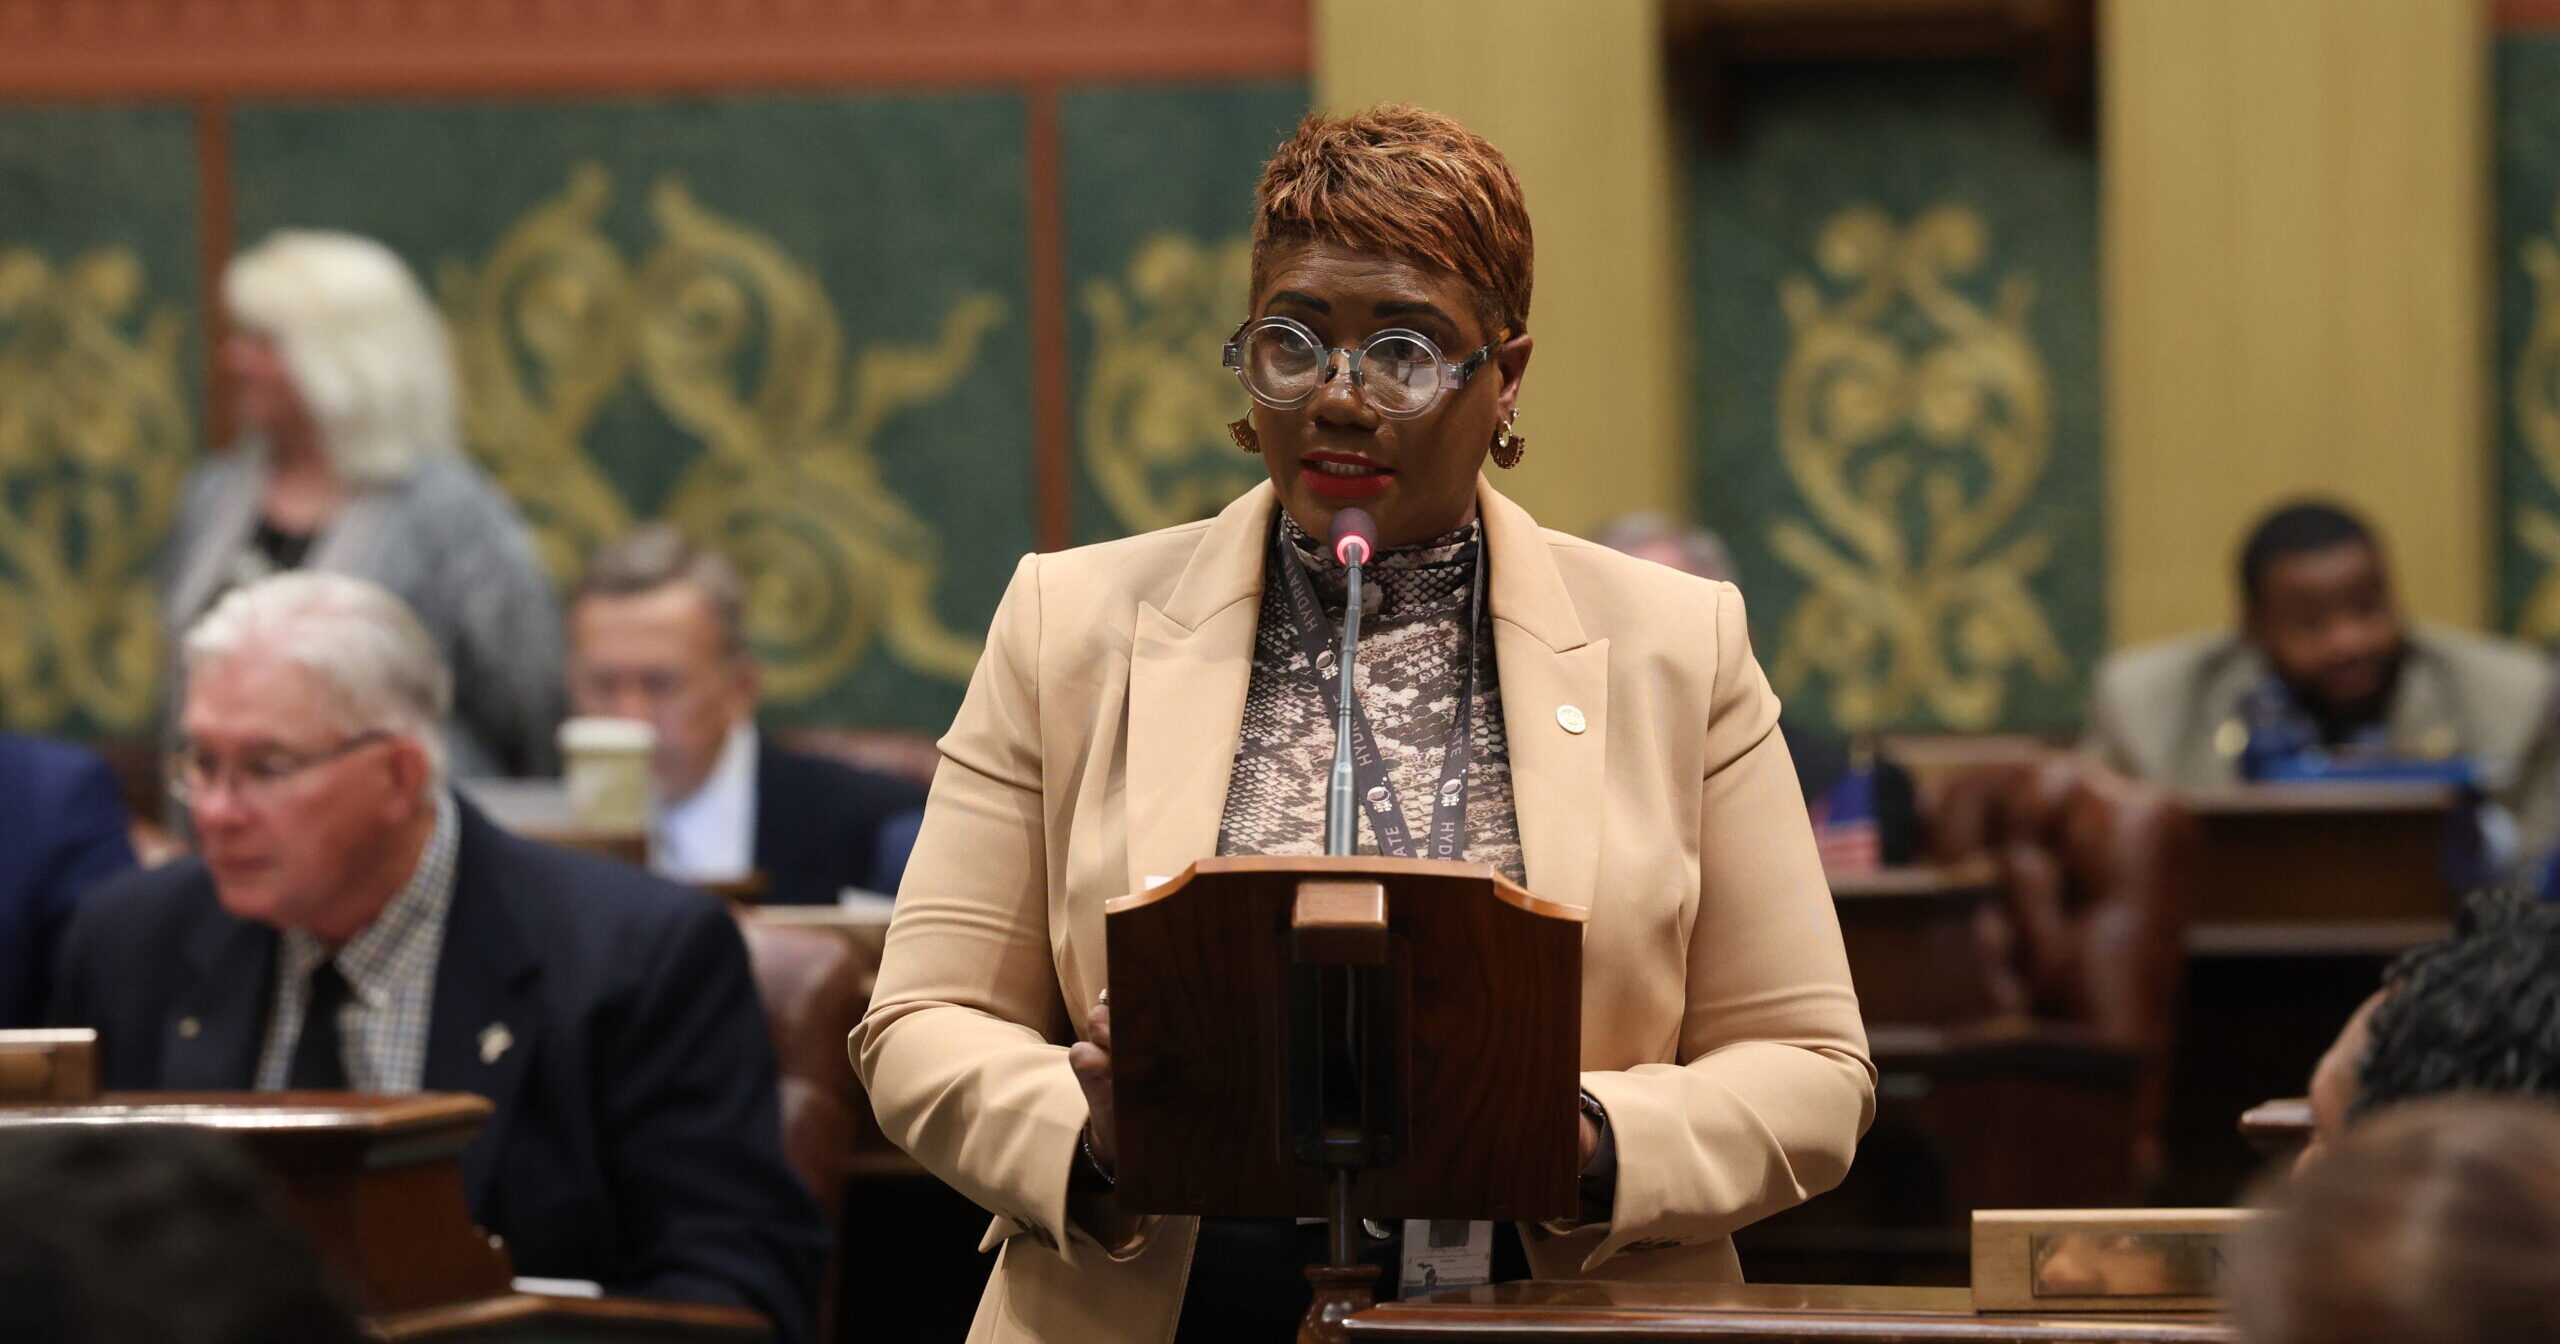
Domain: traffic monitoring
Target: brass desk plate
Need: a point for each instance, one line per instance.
(2131, 1260)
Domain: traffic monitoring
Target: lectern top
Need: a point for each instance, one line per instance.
(1371, 865)
(411, 1116)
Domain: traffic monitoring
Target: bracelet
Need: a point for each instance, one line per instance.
(1092, 1163)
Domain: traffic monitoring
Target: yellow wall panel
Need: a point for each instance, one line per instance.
(2294, 220)
(1573, 95)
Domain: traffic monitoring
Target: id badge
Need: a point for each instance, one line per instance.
(1442, 1253)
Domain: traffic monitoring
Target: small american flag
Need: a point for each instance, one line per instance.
(1844, 821)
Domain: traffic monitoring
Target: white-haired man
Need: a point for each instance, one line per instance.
(343, 382)
(352, 924)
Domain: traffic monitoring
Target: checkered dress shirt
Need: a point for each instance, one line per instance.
(391, 971)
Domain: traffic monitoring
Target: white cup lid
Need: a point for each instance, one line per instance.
(601, 734)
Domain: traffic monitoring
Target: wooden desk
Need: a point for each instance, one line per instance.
(1562, 1312)
(2280, 1128)
(538, 809)
(2307, 892)
(523, 1318)
(1916, 949)
(2322, 853)
(375, 1184)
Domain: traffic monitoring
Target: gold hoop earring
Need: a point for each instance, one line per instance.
(1241, 429)
(1509, 448)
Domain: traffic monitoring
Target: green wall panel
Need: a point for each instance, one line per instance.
(2527, 379)
(1159, 214)
(796, 326)
(99, 397)
(1897, 407)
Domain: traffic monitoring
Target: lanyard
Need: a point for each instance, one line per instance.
(1378, 797)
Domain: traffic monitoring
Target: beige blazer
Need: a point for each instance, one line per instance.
(1092, 752)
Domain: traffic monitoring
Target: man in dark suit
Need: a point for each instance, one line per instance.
(62, 830)
(353, 924)
(657, 633)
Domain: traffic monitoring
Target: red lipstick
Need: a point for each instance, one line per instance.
(1353, 477)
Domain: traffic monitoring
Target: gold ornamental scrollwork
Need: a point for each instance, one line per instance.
(741, 348)
(1153, 417)
(1915, 424)
(2535, 397)
(94, 439)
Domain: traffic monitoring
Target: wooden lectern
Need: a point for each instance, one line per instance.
(1345, 1037)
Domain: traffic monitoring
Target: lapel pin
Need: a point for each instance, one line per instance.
(494, 1042)
(1570, 719)
(189, 1028)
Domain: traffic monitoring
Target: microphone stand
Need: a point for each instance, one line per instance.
(1342, 807)
(1342, 836)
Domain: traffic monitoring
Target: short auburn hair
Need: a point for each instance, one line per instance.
(1412, 184)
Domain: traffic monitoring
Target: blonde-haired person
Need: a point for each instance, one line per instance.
(1143, 704)
(342, 379)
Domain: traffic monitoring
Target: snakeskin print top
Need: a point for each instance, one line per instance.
(1411, 671)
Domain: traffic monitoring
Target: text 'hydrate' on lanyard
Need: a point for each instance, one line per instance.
(1378, 797)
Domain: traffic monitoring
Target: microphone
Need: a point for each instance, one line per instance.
(1355, 539)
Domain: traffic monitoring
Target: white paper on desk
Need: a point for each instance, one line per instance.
(558, 1287)
(868, 907)
(1445, 1253)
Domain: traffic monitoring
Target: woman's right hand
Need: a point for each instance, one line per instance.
(1091, 1059)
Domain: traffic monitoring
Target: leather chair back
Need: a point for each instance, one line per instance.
(814, 990)
(2096, 873)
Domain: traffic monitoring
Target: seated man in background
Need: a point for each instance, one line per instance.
(2439, 1222)
(1865, 812)
(353, 924)
(2477, 1012)
(657, 632)
(2324, 667)
(63, 828)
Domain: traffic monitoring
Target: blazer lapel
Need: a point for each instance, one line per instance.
(1189, 665)
(1553, 679)
(484, 1026)
(230, 517)
(219, 1015)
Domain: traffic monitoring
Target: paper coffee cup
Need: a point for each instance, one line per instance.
(607, 772)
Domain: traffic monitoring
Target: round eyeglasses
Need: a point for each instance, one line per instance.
(1401, 373)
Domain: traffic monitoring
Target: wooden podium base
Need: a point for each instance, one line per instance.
(1340, 1291)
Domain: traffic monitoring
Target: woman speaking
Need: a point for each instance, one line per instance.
(1149, 702)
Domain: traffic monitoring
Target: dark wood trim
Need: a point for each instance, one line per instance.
(214, 245)
(2525, 16)
(185, 48)
(2052, 43)
(1052, 430)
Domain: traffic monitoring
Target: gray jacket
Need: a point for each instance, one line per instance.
(448, 544)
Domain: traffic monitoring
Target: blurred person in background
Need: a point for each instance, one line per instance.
(657, 633)
(352, 924)
(1864, 809)
(153, 1234)
(342, 378)
(2325, 668)
(2436, 1223)
(2476, 1012)
(63, 829)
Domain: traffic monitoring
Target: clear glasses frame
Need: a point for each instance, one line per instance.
(189, 771)
(1360, 358)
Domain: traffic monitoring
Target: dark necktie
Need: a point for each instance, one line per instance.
(319, 1065)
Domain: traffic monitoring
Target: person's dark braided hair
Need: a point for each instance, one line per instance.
(2478, 1012)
